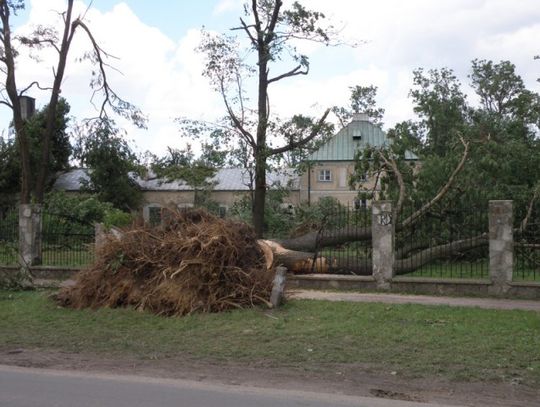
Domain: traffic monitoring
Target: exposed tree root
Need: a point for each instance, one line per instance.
(194, 262)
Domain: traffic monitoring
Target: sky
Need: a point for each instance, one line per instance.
(158, 68)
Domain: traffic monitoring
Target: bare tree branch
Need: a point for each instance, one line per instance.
(314, 132)
(257, 21)
(35, 83)
(245, 28)
(237, 123)
(270, 36)
(67, 38)
(391, 163)
(293, 72)
(36, 42)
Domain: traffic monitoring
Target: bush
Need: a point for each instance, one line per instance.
(277, 221)
(86, 209)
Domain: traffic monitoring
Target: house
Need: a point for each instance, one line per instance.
(328, 176)
(229, 185)
(333, 163)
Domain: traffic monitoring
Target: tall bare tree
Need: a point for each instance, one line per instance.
(271, 33)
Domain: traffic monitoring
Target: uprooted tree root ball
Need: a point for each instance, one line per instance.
(193, 262)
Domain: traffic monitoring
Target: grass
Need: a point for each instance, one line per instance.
(414, 340)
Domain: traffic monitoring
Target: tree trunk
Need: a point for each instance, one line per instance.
(37, 230)
(312, 241)
(67, 36)
(259, 194)
(308, 262)
(414, 262)
(26, 245)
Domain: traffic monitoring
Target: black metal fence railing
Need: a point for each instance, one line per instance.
(344, 257)
(527, 244)
(450, 241)
(9, 237)
(66, 241)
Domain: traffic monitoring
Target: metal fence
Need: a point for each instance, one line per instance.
(450, 241)
(527, 244)
(346, 257)
(9, 237)
(65, 241)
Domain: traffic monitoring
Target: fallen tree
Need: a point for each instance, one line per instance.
(194, 262)
(306, 262)
(300, 254)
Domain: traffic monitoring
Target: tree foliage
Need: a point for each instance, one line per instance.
(112, 165)
(197, 172)
(10, 161)
(361, 100)
(500, 134)
(85, 208)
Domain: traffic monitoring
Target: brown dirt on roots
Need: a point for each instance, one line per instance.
(194, 261)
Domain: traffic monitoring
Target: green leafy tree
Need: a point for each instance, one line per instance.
(502, 151)
(10, 163)
(86, 208)
(9, 170)
(197, 172)
(442, 107)
(362, 100)
(111, 163)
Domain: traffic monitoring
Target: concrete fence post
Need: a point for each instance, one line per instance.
(30, 230)
(99, 236)
(26, 235)
(501, 245)
(382, 236)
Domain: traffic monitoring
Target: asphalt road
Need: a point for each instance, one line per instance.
(25, 387)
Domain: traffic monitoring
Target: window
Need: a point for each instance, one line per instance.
(363, 177)
(360, 203)
(154, 215)
(325, 176)
(222, 211)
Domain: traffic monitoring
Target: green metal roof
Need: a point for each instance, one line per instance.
(357, 135)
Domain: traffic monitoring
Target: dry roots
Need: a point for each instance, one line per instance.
(194, 262)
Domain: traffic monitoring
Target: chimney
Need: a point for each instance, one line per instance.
(28, 107)
(360, 117)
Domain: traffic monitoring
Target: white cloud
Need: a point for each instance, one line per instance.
(162, 75)
(404, 35)
(225, 6)
(159, 75)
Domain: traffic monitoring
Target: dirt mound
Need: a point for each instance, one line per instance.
(193, 262)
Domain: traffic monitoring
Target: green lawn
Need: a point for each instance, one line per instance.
(416, 341)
